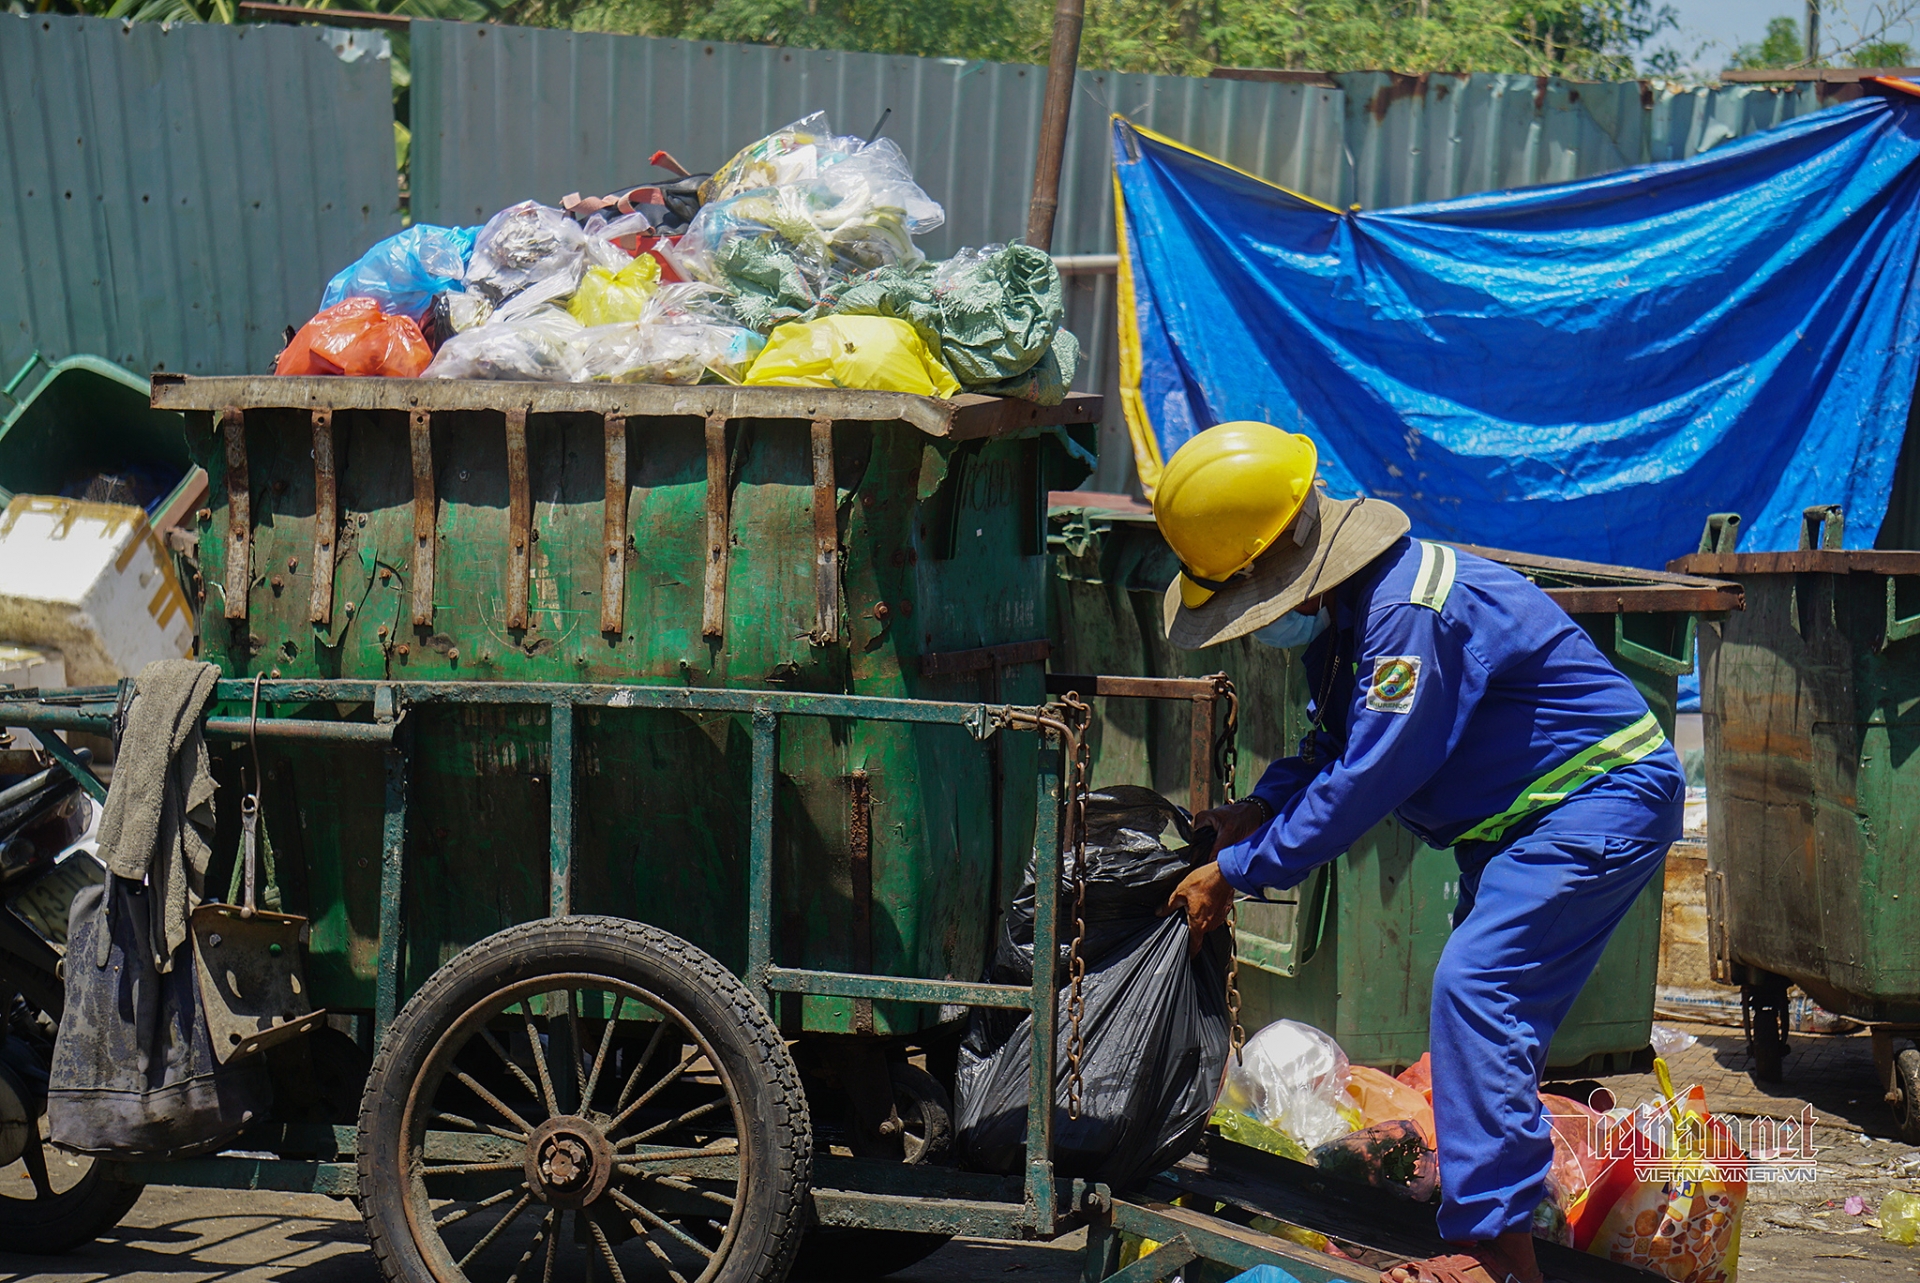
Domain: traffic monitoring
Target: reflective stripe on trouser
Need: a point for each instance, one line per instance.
(1622, 748)
(1538, 916)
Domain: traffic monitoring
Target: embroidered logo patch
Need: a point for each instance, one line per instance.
(1395, 679)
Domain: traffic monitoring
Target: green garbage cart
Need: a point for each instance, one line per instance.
(86, 420)
(1354, 953)
(1811, 711)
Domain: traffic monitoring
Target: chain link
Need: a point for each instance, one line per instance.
(1226, 754)
(1079, 716)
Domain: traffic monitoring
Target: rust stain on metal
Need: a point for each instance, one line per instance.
(519, 519)
(233, 426)
(713, 611)
(326, 518)
(826, 539)
(860, 862)
(1200, 779)
(613, 566)
(420, 437)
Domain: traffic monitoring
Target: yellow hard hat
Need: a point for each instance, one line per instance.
(1226, 495)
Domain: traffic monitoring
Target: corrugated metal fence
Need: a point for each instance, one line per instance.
(178, 195)
(503, 113)
(175, 195)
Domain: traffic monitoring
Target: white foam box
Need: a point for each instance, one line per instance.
(93, 582)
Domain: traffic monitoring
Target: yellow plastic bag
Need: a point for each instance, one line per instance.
(877, 353)
(605, 297)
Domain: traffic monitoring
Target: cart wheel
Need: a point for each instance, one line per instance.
(1906, 1080)
(579, 1095)
(831, 1252)
(49, 1202)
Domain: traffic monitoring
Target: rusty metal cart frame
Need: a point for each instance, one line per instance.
(845, 1191)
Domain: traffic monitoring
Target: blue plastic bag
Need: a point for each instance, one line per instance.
(405, 271)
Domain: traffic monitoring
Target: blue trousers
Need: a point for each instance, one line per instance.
(1533, 918)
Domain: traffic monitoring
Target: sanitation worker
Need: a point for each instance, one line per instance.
(1452, 693)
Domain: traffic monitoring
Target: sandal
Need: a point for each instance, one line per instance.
(1457, 1268)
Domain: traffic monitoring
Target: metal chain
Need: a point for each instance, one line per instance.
(1227, 757)
(1079, 716)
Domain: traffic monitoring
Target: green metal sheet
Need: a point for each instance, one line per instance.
(1811, 707)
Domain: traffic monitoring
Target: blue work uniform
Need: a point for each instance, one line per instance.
(1453, 693)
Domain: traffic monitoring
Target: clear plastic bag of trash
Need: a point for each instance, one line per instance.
(405, 271)
(1293, 1078)
(1670, 1042)
(684, 353)
(522, 246)
(541, 347)
(794, 153)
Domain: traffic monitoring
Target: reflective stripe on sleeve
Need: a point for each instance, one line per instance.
(1435, 578)
(1622, 748)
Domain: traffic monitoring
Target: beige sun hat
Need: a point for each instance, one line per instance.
(1330, 541)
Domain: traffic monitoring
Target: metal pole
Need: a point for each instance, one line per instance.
(1061, 62)
(1813, 33)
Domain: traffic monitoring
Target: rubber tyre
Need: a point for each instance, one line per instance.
(70, 1219)
(779, 1164)
(1906, 1080)
(831, 1253)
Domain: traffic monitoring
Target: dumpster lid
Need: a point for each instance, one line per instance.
(962, 418)
(1596, 588)
(1833, 561)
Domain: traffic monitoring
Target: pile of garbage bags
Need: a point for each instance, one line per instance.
(793, 265)
(1659, 1186)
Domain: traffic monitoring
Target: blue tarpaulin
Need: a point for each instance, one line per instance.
(1583, 370)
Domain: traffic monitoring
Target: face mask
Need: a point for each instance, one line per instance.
(1293, 629)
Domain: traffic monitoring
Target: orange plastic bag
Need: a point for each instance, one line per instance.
(1419, 1075)
(355, 337)
(1382, 1099)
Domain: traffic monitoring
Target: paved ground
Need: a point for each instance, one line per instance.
(203, 1236)
(1795, 1233)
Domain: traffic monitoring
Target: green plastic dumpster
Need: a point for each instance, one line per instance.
(83, 417)
(1811, 710)
(1355, 953)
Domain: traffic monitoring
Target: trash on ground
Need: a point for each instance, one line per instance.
(1900, 1217)
(805, 238)
(1668, 1041)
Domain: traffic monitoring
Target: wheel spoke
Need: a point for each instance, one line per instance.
(508, 1061)
(675, 1183)
(472, 1169)
(632, 1162)
(573, 1050)
(670, 1124)
(606, 1250)
(600, 1057)
(499, 1227)
(491, 1200)
(646, 1215)
(544, 1232)
(36, 1160)
(467, 1080)
(553, 1239)
(539, 1060)
(442, 1116)
(665, 1080)
(646, 1236)
(646, 1058)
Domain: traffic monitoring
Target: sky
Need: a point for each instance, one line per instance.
(1722, 26)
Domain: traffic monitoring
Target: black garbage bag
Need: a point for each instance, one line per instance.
(1154, 1026)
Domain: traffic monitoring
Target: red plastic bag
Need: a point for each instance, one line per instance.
(355, 337)
(1419, 1075)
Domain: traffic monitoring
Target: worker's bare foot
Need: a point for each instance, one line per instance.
(1507, 1259)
